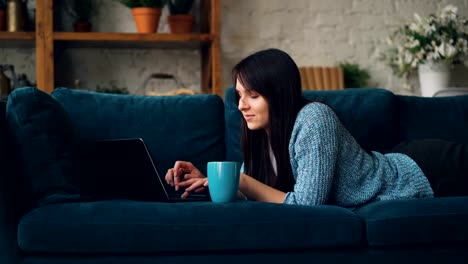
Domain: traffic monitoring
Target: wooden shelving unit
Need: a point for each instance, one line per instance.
(208, 42)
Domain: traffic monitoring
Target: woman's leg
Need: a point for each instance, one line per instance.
(444, 163)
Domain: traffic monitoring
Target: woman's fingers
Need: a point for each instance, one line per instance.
(183, 174)
(169, 177)
(176, 181)
(200, 190)
(195, 185)
(188, 182)
(181, 168)
(195, 174)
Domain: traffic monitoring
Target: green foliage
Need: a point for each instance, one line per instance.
(180, 7)
(81, 10)
(143, 3)
(354, 76)
(113, 90)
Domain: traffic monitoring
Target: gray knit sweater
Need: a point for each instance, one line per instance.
(330, 167)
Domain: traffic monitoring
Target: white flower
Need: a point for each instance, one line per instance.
(462, 45)
(433, 56)
(420, 54)
(449, 13)
(446, 50)
(414, 43)
(428, 29)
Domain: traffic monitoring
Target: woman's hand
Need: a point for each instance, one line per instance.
(185, 174)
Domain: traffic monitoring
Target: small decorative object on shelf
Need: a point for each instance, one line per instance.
(431, 45)
(112, 89)
(146, 13)
(16, 15)
(30, 13)
(2, 15)
(6, 84)
(23, 81)
(178, 89)
(179, 20)
(81, 11)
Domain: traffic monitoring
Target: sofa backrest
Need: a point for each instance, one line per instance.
(377, 118)
(437, 117)
(3, 150)
(13, 199)
(173, 127)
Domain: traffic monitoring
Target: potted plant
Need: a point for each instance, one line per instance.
(2, 15)
(354, 75)
(81, 11)
(430, 46)
(146, 13)
(179, 20)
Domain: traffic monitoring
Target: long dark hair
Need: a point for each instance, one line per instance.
(274, 75)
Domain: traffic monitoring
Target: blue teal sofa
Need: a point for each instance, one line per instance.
(44, 219)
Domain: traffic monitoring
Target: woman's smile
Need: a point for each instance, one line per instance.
(248, 117)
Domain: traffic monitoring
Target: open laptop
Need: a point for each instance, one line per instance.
(124, 169)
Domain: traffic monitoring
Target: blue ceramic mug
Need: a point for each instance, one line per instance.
(223, 180)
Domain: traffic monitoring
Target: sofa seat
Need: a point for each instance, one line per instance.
(416, 221)
(122, 226)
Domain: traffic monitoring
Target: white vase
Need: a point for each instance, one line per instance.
(433, 77)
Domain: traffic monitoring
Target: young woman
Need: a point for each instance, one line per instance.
(298, 152)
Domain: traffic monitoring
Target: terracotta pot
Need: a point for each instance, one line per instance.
(82, 27)
(2, 20)
(180, 23)
(146, 19)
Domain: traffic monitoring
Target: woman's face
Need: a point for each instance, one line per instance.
(253, 107)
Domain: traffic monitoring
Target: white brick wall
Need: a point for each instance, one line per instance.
(321, 32)
(313, 32)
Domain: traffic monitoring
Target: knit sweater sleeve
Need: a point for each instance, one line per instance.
(313, 153)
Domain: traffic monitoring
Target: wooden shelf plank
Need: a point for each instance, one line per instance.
(131, 40)
(17, 35)
(17, 39)
(101, 36)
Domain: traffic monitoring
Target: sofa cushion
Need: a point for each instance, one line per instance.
(43, 140)
(438, 117)
(368, 114)
(189, 127)
(418, 221)
(122, 226)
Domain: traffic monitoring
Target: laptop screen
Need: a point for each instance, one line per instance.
(123, 169)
